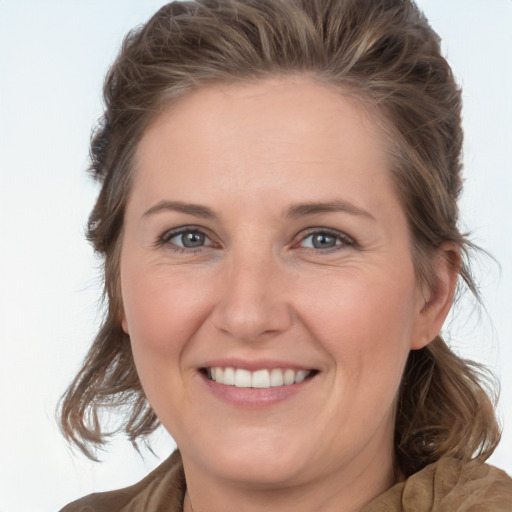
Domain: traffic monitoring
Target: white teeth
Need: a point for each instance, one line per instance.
(261, 379)
(242, 378)
(289, 377)
(300, 376)
(229, 376)
(276, 377)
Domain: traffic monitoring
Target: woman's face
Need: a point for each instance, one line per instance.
(264, 245)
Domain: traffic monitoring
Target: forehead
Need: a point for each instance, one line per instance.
(272, 136)
(287, 103)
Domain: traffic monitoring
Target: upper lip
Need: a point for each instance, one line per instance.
(254, 365)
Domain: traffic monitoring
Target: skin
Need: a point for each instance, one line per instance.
(259, 290)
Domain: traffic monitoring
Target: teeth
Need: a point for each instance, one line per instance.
(242, 378)
(300, 376)
(276, 377)
(259, 379)
(229, 376)
(289, 377)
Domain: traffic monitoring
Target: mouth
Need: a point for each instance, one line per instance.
(260, 379)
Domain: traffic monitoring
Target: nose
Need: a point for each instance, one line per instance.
(252, 300)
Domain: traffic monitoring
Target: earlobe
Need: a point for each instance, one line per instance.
(123, 321)
(437, 296)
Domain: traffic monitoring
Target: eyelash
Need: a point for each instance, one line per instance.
(165, 239)
(339, 236)
(343, 238)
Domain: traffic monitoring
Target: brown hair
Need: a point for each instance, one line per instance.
(384, 53)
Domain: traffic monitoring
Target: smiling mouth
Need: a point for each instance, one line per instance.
(261, 379)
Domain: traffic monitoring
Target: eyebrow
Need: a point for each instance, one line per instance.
(196, 210)
(338, 205)
(294, 211)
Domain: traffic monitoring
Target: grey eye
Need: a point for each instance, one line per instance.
(191, 239)
(321, 240)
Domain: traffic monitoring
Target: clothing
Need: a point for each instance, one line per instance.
(449, 486)
(445, 486)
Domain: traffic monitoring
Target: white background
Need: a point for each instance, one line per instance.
(53, 56)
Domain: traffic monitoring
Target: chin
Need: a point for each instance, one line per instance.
(265, 463)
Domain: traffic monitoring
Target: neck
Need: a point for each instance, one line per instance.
(350, 493)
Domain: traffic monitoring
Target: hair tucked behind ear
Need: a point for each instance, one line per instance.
(382, 52)
(445, 408)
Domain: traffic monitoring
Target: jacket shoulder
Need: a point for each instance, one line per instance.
(163, 487)
(449, 485)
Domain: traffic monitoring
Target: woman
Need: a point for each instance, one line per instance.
(278, 217)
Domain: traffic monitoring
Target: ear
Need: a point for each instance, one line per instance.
(123, 321)
(437, 296)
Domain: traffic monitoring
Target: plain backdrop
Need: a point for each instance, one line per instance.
(53, 56)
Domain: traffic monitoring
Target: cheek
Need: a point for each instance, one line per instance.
(365, 325)
(162, 313)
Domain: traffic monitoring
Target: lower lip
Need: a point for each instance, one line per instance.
(255, 397)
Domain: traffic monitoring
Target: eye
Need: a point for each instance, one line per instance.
(185, 238)
(325, 239)
(189, 239)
